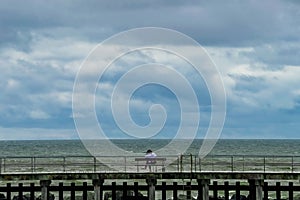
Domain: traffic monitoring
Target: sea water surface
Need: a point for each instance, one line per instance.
(77, 148)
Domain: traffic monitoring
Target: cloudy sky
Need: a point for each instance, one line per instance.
(255, 46)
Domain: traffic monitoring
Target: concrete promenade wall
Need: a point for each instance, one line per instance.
(145, 175)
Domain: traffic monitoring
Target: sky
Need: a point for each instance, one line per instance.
(255, 46)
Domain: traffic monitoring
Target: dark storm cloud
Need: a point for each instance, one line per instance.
(230, 23)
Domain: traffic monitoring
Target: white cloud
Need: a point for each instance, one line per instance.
(252, 84)
(38, 114)
(12, 84)
(36, 134)
(38, 83)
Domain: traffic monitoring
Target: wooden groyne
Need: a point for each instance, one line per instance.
(159, 185)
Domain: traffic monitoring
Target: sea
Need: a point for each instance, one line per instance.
(267, 147)
(35, 148)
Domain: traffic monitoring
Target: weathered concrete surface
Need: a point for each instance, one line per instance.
(159, 175)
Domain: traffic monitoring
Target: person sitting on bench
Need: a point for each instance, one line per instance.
(150, 159)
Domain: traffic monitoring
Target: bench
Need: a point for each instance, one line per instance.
(159, 162)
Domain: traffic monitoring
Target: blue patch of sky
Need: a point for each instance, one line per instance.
(153, 93)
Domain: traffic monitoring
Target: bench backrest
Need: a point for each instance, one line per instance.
(145, 159)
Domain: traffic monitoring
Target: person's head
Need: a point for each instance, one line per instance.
(149, 151)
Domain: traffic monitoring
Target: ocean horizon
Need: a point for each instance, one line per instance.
(10, 148)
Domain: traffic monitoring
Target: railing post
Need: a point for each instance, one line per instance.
(292, 164)
(195, 158)
(0, 165)
(243, 163)
(125, 163)
(200, 167)
(181, 162)
(151, 187)
(64, 164)
(32, 164)
(95, 164)
(191, 157)
(256, 189)
(264, 164)
(212, 163)
(178, 163)
(3, 164)
(232, 163)
(98, 183)
(44, 189)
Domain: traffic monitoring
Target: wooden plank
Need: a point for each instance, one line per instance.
(266, 190)
(32, 191)
(174, 190)
(8, 193)
(113, 190)
(125, 189)
(291, 189)
(136, 189)
(226, 189)
(188, 190)
(61, 191)
(163, 190)
(237, 190)
(278, 191)
(72, 192)
(20, 188)
(84, 190)
(215, 189)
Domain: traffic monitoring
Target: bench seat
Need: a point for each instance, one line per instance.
(160, 162)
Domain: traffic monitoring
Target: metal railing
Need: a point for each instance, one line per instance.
(241, 163)
(181, 163)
